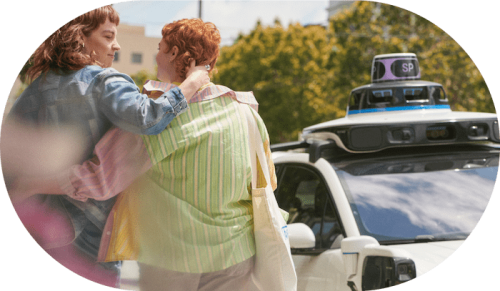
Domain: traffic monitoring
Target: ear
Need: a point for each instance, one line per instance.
(173, 52)
(84, 38)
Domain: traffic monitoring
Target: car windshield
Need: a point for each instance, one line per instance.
(426, 197)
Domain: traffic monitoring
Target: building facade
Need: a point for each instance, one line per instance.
(137, 53)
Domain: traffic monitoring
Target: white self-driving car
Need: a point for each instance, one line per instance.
(391, 190)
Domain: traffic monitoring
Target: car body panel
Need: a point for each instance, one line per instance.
(428, 255)
(325, 271)
(321, 272)
(405, 116)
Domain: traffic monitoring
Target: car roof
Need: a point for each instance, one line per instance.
(401, 116)
(397, 84)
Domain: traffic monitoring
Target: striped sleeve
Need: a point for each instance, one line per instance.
(119, 158)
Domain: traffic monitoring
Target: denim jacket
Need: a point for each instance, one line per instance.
(93, 99)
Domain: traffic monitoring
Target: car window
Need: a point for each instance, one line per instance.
(438, 197)
(305, 196)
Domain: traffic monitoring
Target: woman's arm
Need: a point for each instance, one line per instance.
(119, 158)
(122, 103)
(24, 187)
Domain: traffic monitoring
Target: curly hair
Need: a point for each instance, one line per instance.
(63, 50)
(196, 40)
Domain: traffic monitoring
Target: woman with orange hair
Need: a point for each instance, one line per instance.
(73, 85)
(188, 218)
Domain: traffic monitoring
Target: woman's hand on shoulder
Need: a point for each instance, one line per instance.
(196, 77)
(198, 74)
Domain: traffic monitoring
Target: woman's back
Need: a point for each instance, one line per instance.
(200, 192)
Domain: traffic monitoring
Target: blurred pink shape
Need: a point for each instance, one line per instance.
(29, 151)
(49, 225)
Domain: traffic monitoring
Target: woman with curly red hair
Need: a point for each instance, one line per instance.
(73, 84)
(186, 213)
(193, 209)
(191, 39)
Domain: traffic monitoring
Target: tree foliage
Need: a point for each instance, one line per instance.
(143, 75)
(370, 28)
(285, 68)
(304, 75)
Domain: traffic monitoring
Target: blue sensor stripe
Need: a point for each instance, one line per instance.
(401, 108)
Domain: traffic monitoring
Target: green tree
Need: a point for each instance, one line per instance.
(141, 77)
(370, 28)
(304, 75)
(285, 68)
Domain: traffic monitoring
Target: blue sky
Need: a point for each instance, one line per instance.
(231, 17)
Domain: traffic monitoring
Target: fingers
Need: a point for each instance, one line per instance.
(192, 69)
(198, 73)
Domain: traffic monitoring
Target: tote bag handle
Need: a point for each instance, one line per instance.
(274, 268)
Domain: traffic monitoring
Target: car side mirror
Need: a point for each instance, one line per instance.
(301, 236)
(351, 247)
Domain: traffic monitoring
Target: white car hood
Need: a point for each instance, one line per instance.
(428, 255)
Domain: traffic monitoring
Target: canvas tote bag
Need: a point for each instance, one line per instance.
(274, 269)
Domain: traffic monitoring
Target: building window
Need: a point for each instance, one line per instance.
(136, 58)
(117, 56)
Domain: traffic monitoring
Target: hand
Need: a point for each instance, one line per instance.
(197, 74)
(196, 77)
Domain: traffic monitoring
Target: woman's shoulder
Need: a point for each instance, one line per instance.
(213, 91)
(92, 72)
(86, 73)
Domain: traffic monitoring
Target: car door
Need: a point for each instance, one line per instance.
(303, 192)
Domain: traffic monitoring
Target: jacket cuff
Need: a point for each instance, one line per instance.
(66, 186)
(177, 100)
